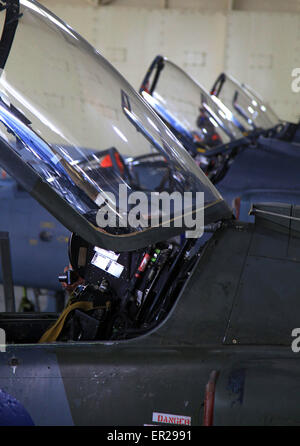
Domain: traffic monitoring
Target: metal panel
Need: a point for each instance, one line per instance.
(209, 292)
(266, 308)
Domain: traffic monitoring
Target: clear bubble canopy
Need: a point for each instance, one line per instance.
(199, 119)
(75, 134)
(244, 103)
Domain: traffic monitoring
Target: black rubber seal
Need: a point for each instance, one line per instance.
(12, 15)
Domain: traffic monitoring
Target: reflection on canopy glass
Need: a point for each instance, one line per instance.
(74, 119)
(244, 103)
(197, 118)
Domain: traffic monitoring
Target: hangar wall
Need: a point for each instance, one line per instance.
(260, 47)
(264, 54)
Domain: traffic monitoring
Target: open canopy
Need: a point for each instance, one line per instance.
(248, 107)
(73, 130)
(200, 120)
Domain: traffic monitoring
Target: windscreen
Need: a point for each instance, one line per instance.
(73, 119)
(187, 108)
(244, 104)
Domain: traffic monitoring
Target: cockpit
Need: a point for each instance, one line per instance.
(201, 121)
(97, 156)
(206, 127)
(88, 132)
(250, 109)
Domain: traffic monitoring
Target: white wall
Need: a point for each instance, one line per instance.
(260, 48)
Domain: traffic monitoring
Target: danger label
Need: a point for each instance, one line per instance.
(171, 419)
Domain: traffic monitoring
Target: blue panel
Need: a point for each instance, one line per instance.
(12, 413)
(261, 175)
